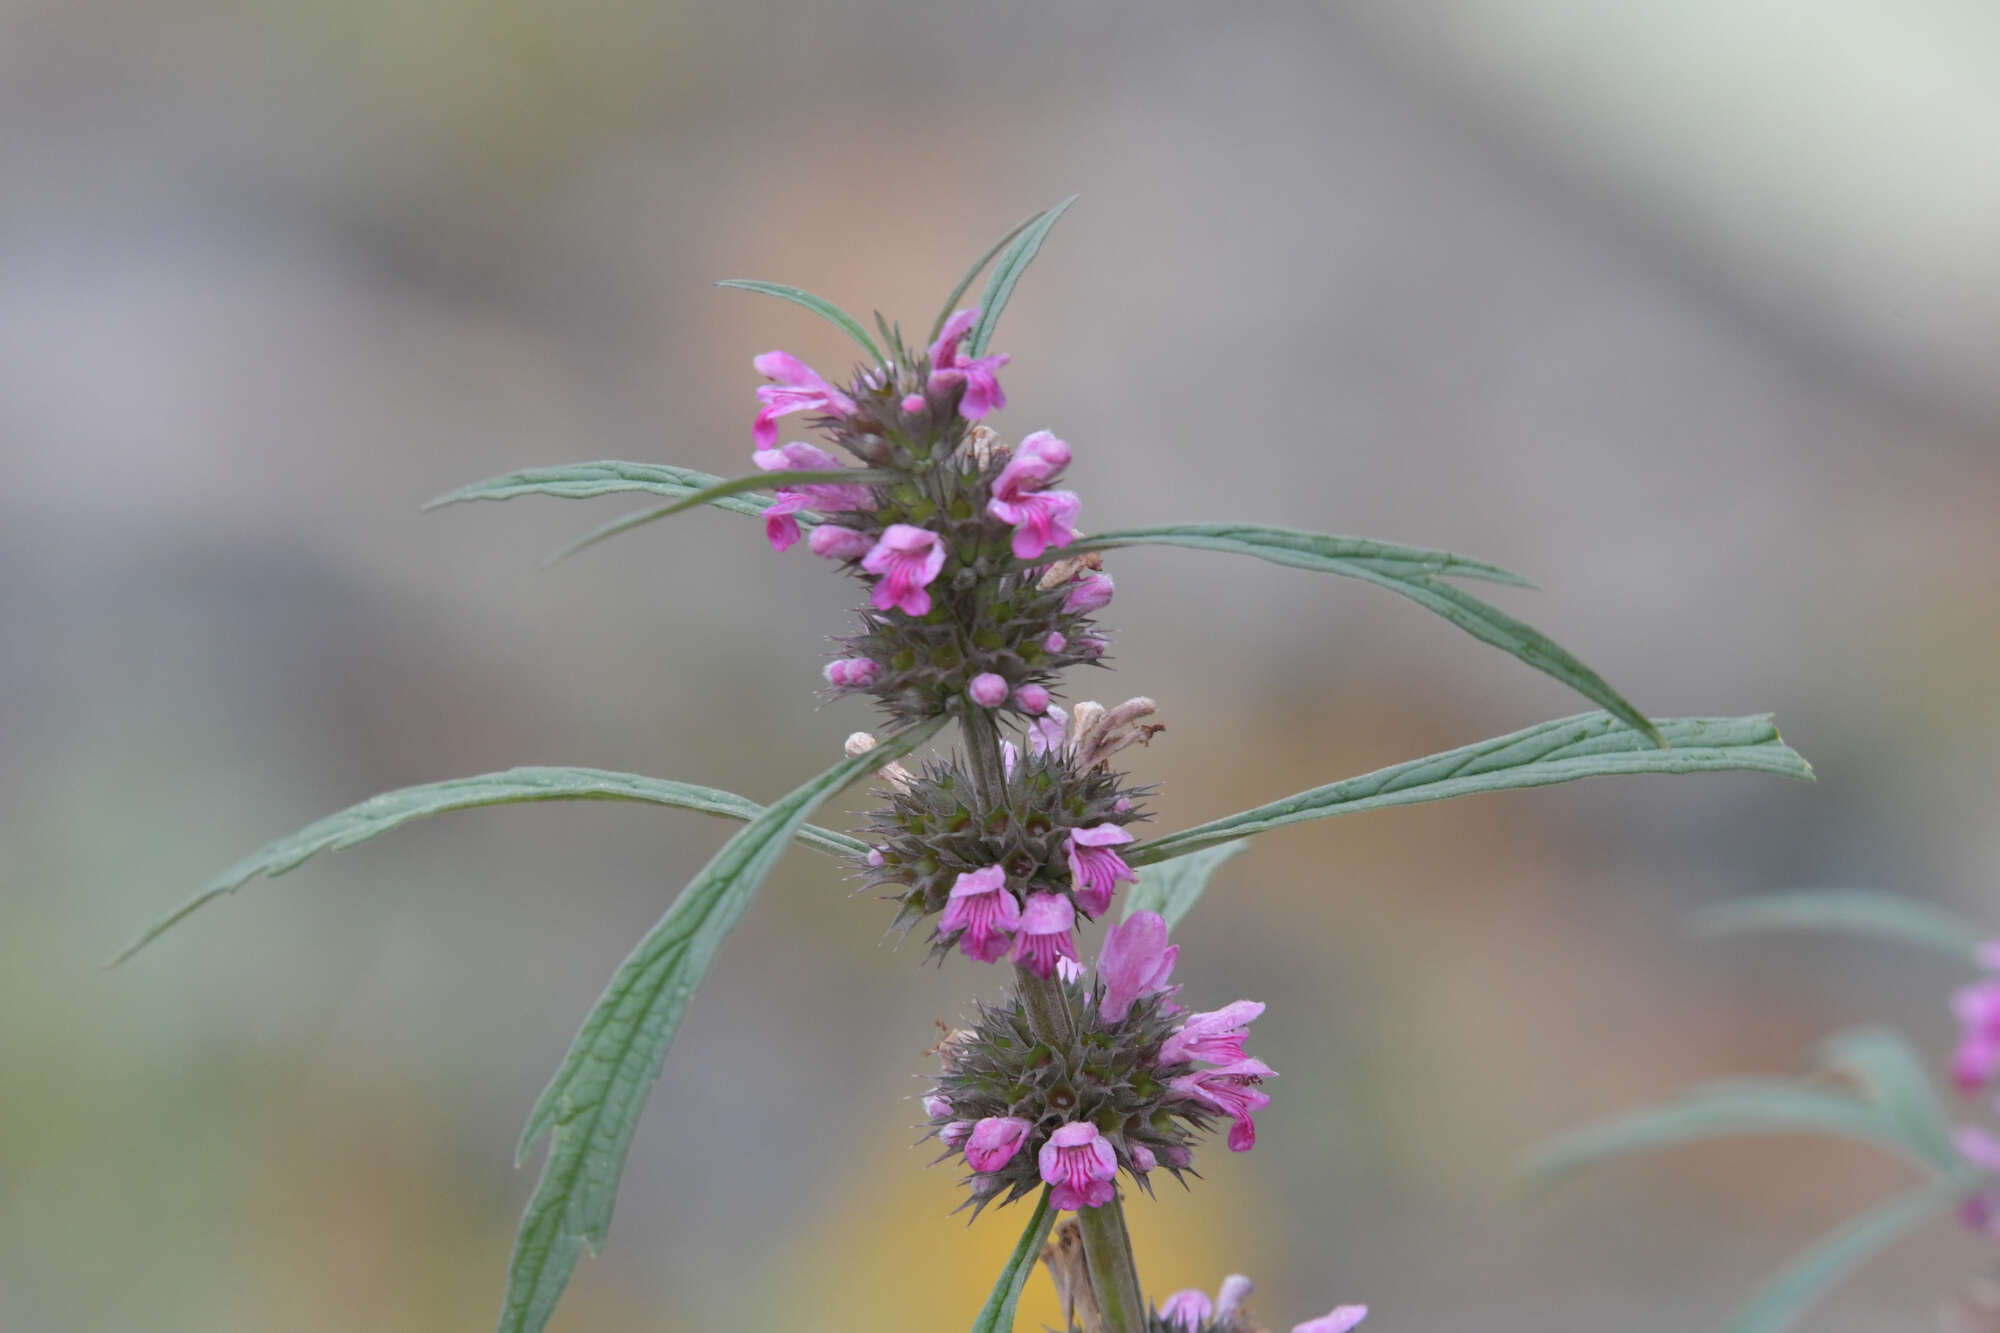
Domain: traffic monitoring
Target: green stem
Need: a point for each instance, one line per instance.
(1107, 1246)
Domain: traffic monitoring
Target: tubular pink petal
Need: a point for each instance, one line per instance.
(1342, 1319)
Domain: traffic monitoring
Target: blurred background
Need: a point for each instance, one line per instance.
(1687, 310)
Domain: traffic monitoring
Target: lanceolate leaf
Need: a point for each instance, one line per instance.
(722, 491)
(1173, 887)
(379, 814)
(1413, 572)
(584, 481)
(819, 305)
(1780, 1304)
(1716, 1110)
(1007, 271)
(997, 1315)
(1587, 746)
(1892, 1076)
(971, 274)
(592, 1105)
(1854, 911)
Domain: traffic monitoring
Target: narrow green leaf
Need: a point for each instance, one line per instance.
(971, 274)
(1171, 888)
(1716, 1110)
(584, 481)
(997, 1315)
(1893, 1077)
(1587, 746)
(1778, 1306)
(722, 491)
(379, 814)
(1007, 271)
(592, 1106)
(819, 305)
(1323, 552)
(1411, 572)
(1854, 911)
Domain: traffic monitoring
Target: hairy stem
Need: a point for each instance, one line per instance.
(982, 744)
(1107, 1249)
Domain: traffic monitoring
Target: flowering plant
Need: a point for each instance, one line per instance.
(1868, 1086)
(981, 593)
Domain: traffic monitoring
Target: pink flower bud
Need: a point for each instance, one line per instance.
(987, 690)
(914, 403)
(833, 542)
(994, 1141)
(1136, 961)
(955, 1134)
(1055, 642)
(936, 1107)
(1031, 699)
(1143, 1159)
(1091, 593)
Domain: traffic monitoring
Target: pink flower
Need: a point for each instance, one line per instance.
(1079, 1164)
(994, 1142)
(1055, 642)
(936, 1107)
(1230, 1090)
(907, 558)
(1031, 698)
(1095, 871)
(834, 542)
(987, 690)
(1136, 961)
(798, 388)
(1041, 518)
(1216, 1037)
(1046, 921)
(832, 497)
(1187, 1310)
(1978, 1057)
(1341, 1319)
(1091, 593)
(983, 907)
(982, 388)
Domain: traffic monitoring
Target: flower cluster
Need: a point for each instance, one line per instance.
(1124, 1091)
(937, 521)
(1009, 847)
(1191, 1311)
(1008, 873)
